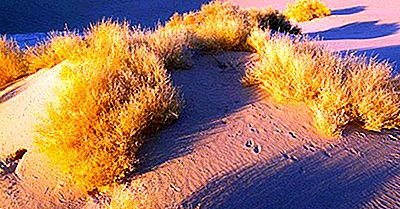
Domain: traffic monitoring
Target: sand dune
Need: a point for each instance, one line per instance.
(233, 147)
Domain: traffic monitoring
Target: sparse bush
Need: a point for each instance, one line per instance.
(115, 94)
(171, 45)
(12, 62)
(269, 18)
(339, 89)
(306, 10)
(217, 26)
(58, 47)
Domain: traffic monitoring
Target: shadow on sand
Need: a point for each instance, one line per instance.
(46, 15)
(388, 53)
(343, 180)
(349, 11)
(211, 91)
(358, 30)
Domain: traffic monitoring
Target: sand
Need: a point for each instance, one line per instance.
(233, 147)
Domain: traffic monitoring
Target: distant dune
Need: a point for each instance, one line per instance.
(24, 16)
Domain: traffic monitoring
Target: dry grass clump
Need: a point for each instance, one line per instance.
(115, 94)
(59, 47)
(12, 62)
(217, 26)
(222, 26)
(269, 18)
(306, 10)
(171, 45)
(338, 89)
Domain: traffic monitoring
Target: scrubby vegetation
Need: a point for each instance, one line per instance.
(222, 26)
(12, 62)
(306, 10)
(339, 89)
(116, 93)
(58, 47)
(116, 88)
(217, 26)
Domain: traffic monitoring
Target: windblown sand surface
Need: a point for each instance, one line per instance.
(233, 147)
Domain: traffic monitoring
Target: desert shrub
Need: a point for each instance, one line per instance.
(171, 45)
(12, 62)
(306, 10)
(269, 18)
(217, 26)
(222, 26)
(339, 89)
(114, 95)
(58, 47)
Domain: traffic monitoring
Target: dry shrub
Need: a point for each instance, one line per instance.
(222, 26)
(12, 62)
(115, 94)
(306, 10)
(58, 47)
(171, 45)
(217, 26)
(339, 89)
(269, 18)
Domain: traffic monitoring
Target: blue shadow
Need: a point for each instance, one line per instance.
(358, 30)
(389, 53)
(19, 17)
(349, 11)
(316, 181)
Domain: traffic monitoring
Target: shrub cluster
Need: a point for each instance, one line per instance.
(222, 26)
(12, 62)
(217, 26)
(114, 94)
(306, 10)
(339, 89)
(117, 90)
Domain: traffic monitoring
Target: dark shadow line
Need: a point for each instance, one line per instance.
(349, 11)
(358, 30)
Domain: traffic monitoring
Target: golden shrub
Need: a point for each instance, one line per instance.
(339, 89)
(12, 62)
(58, 47)
(171, 45)
(306, 10)
(219, 26)
(113, 96)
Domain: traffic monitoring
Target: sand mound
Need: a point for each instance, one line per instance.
(233, 147)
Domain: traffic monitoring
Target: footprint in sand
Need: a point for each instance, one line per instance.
(257, 149)
(249, 144)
